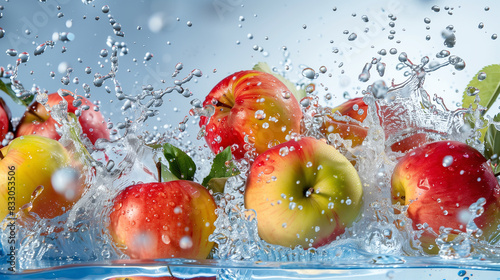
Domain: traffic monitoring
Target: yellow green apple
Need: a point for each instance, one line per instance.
(304, 192)
(27, 166)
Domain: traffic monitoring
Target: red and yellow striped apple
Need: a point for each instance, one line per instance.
(164, 220)
(439, 181)
(37, 120)
(251, 107)
(29, 162)
(304, 193)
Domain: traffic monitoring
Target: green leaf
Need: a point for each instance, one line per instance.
(222, 168)
(8, 90)
(180, 164)
(165, 174)
(298, 93)
(489, 88)
(492, 144)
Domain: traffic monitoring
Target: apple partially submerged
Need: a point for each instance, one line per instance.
(251, 107)
(164, 220)
(346, 119)
(350, 128)
(27, 167)
(439, 181)
(37, 120)
(304, 193)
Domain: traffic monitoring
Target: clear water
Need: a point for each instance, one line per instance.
(150, 102)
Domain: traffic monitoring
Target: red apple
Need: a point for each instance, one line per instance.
(27, 166)
(304, 193)
(251, 107)
(164, 220)
(37, 120)
(5, 120)
(439, 181)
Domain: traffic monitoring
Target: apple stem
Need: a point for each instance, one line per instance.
(158, 169)
(34, 113)
(220, 104)
(1, 155)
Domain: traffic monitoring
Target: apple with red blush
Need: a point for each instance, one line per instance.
(304, 192)
(250, 108)
(439, 181)
(37, 120)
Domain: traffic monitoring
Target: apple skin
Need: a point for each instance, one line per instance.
(37, 120)
(5, 120)
(277, 190)
(35, 159)
(161, 214)
(421, 181)
(237, 99)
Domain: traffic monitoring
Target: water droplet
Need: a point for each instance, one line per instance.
(365, 73)
(11, 52)
(427, 20)
(462, 273)
(317, 228)
(105, 9)
(103, 53)
(447, 161)
(352, 37)
(308, 73)
(393, 51)
(110, 165)
(260, 115)
(148, 56)
(322, 69)
(186, 242)
(494, 36)
(250, 36)
(2, 32)
(480, 25)
(365, 18)
(382, 52)
(189, 23)
(481, 76)
(435, 8)
(88, 70)
(66, 182)
(24, 57)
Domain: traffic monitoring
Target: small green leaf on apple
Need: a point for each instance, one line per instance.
(298, 93)
(492, 144)
(164, 173)
(180, 164)
(487, 82)
(8, 90)
(222, 168)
